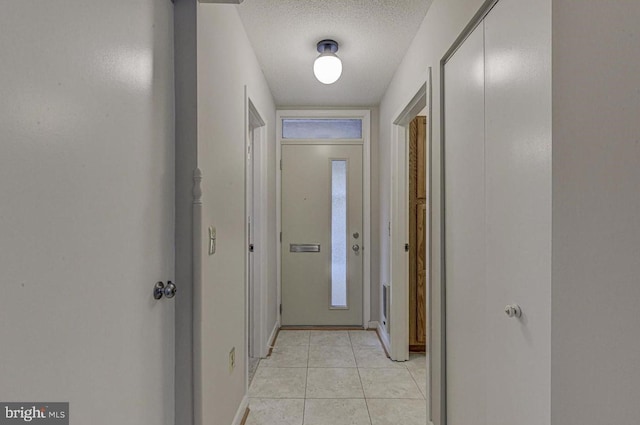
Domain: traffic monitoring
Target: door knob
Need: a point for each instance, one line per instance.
(160, 290)
(170, 290)
(356, 248)
(513, 310)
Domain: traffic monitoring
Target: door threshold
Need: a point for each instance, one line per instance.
(418, 348)
(321, 328)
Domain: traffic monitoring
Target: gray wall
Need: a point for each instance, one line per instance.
(595, 356)
(186, 87)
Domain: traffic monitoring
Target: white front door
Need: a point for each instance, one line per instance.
(322, 234)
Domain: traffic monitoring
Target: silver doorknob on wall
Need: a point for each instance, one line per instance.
(170, 290)
(355, 247)
(160, 290)
(513, 310)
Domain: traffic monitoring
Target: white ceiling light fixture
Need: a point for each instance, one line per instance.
(327, 67)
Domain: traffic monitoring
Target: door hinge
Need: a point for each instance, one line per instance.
(389, 229)
(280, 165)
(280, 308)
(250, 247)
(280, 237)
(406, 247)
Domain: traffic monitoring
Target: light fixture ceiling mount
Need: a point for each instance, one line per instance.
(327, 67)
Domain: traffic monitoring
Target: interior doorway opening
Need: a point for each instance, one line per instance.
(256, 239)
(407, 316)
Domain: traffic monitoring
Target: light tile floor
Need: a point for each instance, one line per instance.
(336, 378)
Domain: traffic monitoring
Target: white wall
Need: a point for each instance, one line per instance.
(86, 207)
(596, 213)
(444, 21)
(226, 63)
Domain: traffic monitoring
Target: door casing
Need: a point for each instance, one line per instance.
(255, 205)
(397, 342)
(365, 115)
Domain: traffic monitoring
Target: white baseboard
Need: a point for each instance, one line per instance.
(373, 324)
(272, 338)
(237, 420)
(384, 338)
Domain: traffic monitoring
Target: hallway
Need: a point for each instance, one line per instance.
(336, 378)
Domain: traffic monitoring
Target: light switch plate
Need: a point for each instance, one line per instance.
(212, 240)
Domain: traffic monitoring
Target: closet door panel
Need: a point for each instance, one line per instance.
(464, 233)
(518, 210)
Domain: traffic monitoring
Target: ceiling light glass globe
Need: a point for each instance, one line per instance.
(327, 68)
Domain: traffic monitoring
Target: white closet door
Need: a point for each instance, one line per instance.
(518, 210)
(464, 233)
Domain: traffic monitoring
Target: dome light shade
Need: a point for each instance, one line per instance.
(327, 67)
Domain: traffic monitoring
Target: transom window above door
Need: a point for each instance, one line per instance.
(322, 128)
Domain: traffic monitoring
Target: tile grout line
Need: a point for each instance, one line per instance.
(360, 379)
(306, 381)
(424, 396)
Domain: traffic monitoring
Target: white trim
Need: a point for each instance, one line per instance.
(382, 334)
(429, 253)
(398, 261)
(258, 200)
(237, 419)
(197, 296)
(261, 259)
(278, 219)
(365, 114)
(272, 337)
(373, 324)
(366, 291)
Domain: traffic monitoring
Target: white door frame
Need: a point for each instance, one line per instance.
(365, 115)
(399, 223)
(258, 198)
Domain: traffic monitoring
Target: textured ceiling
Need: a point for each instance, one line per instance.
(373, 35)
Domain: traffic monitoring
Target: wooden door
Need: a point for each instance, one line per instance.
(417, 246)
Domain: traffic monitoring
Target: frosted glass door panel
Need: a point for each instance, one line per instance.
(338, 233)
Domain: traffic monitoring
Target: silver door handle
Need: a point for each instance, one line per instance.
(168, 291)
(513, 310)
(356, 248)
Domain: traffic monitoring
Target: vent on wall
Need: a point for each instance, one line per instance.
(386, 294)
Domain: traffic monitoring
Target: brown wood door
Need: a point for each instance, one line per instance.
(417, 242)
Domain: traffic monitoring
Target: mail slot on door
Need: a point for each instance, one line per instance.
(304, 247)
